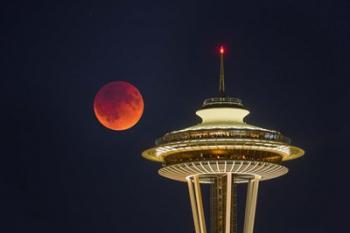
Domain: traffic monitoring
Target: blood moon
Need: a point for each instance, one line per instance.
(118, 105)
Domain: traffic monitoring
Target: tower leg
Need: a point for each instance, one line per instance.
(252, 194)
(193, 205)
(228, 203)
(196, 204)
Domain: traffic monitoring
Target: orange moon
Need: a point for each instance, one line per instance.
(118, 105)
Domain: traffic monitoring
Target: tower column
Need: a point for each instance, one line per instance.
(193, 205)
(228, 208)
(196, 204)
(252, 194)
(223, 204)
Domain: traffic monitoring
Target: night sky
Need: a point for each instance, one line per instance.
(61, 171)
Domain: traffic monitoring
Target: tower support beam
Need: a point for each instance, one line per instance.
(228, 203)
(252, 194)
(197, 204)
(193, 205)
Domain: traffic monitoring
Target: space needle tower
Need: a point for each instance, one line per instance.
(222, 151)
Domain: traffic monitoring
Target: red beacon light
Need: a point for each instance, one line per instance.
(222, 50)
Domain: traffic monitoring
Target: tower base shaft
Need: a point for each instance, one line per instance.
(218, 199)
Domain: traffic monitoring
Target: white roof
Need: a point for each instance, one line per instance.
(223, 118)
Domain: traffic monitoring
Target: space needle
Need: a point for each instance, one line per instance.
(222, 151)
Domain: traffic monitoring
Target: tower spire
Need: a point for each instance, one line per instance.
(222, 74)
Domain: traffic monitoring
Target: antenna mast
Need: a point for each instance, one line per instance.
(222, 74)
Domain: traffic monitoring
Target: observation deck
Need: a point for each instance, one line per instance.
(222, 143)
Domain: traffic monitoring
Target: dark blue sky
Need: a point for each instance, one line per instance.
(61, 171)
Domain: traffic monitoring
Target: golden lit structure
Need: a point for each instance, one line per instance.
(222, 151)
